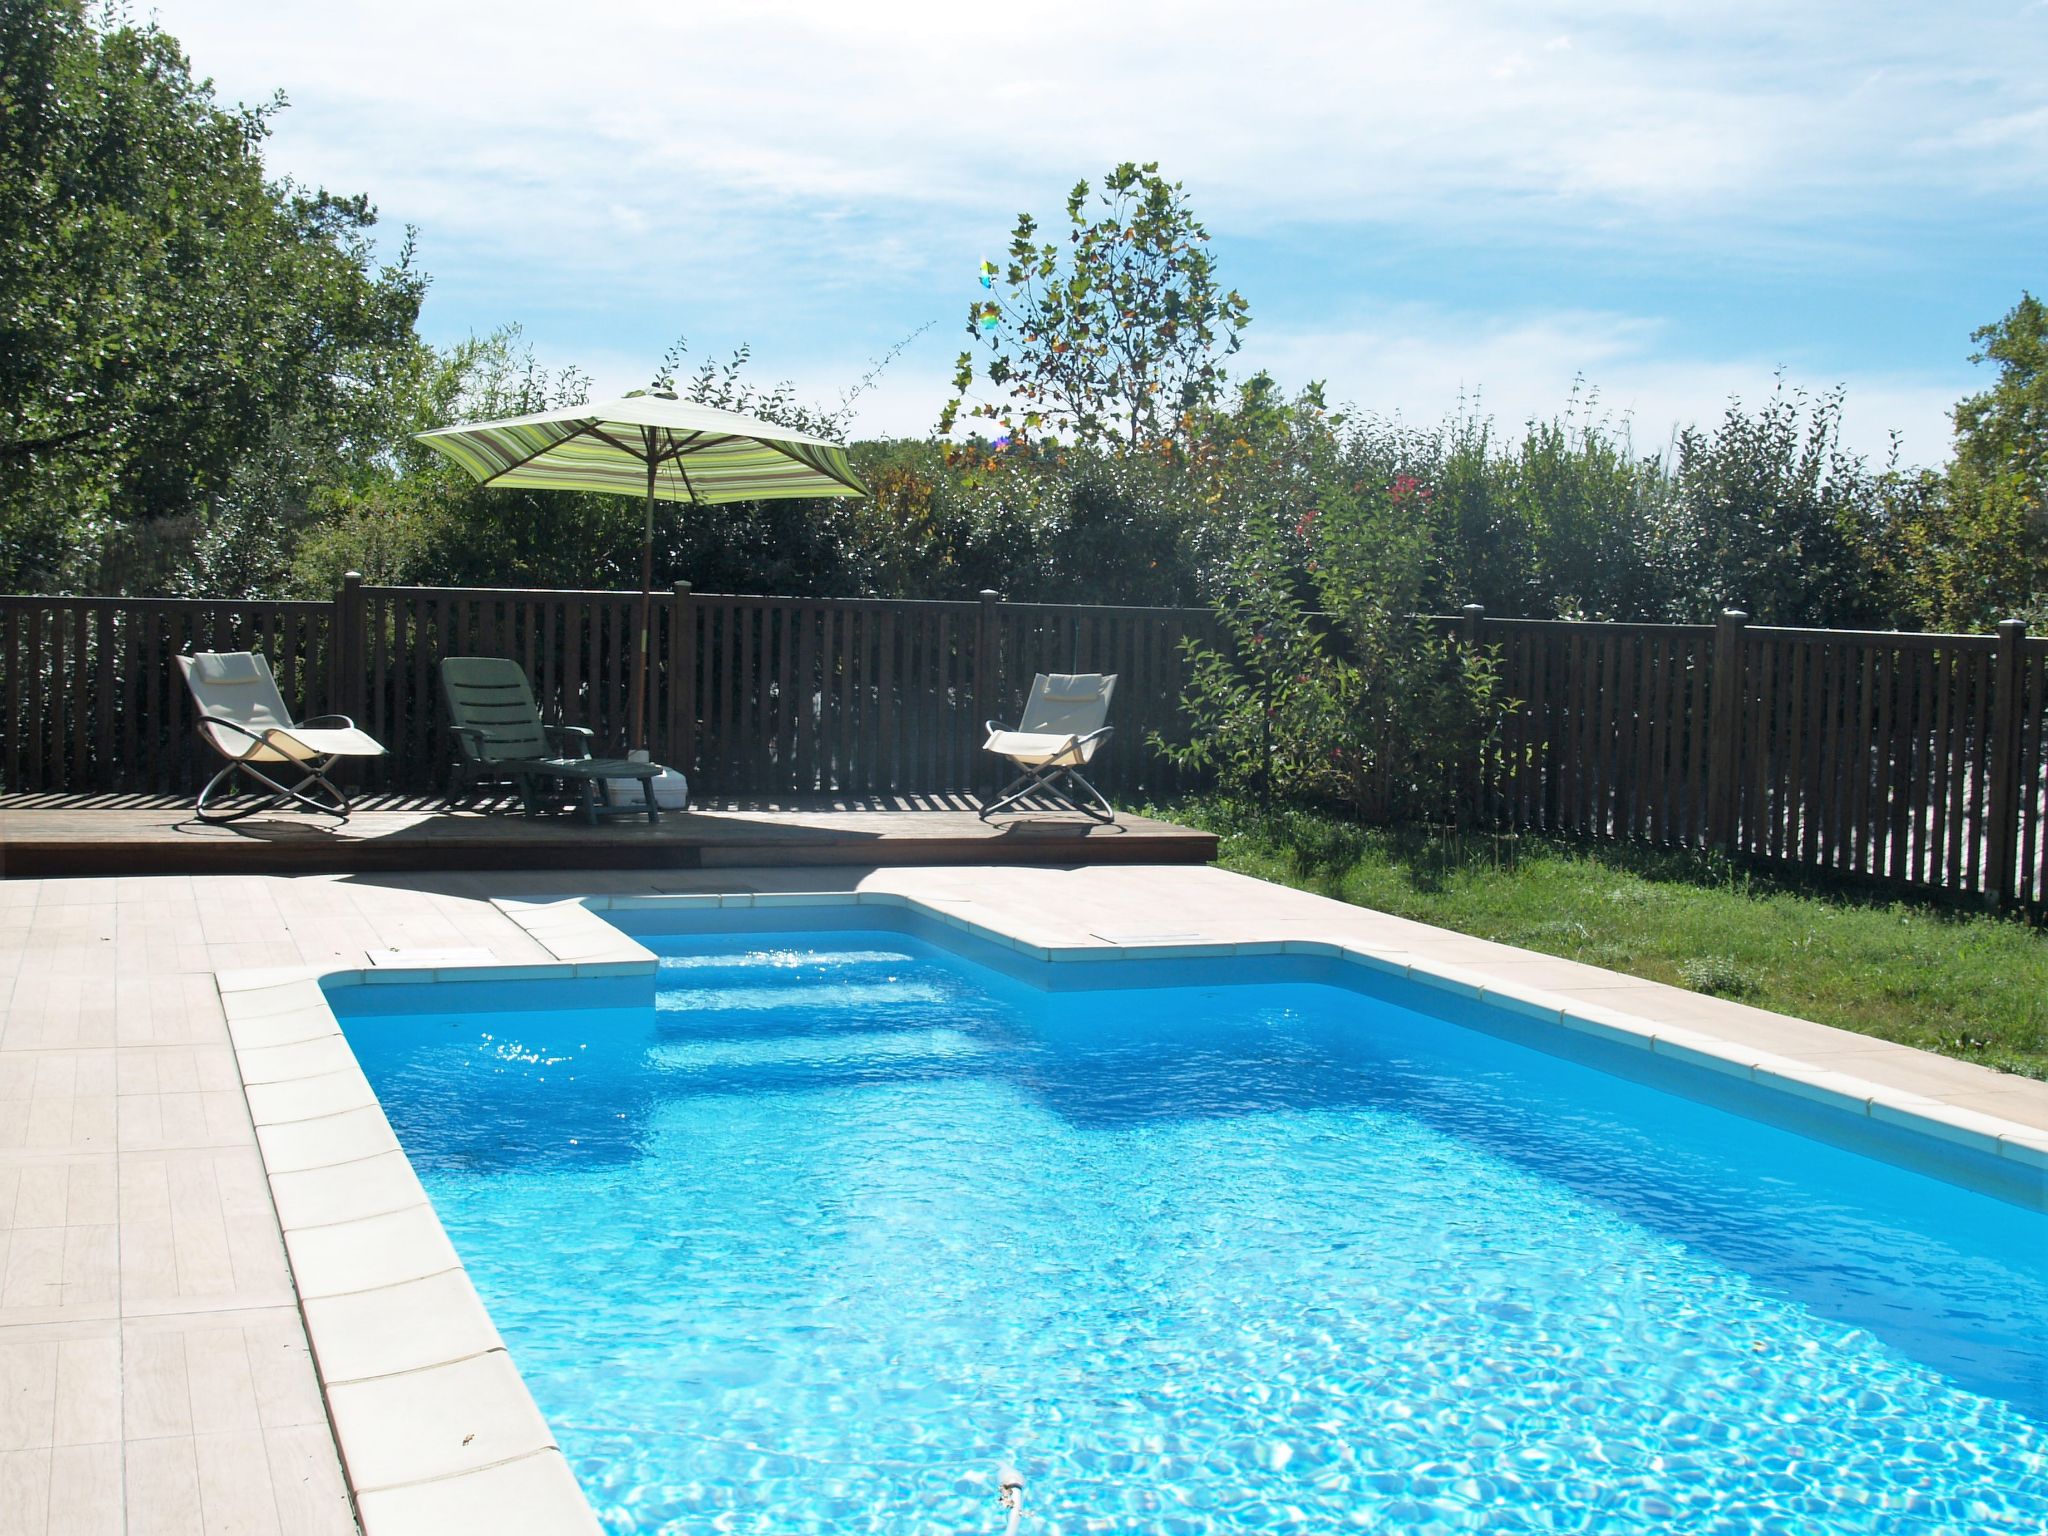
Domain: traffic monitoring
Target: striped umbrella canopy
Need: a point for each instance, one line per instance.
(649, 444)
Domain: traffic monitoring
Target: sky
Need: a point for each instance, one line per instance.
(1668, 206)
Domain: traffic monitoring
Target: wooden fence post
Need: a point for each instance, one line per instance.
(682, 681)
(345, 688)
(1724, 756)
(985, 680)
(2007, 725)
(1474, 615)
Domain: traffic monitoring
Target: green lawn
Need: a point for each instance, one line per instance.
(1962, 983)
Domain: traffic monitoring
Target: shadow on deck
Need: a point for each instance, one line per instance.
(46, 836)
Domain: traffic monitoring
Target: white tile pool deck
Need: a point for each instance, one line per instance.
(162, 1258)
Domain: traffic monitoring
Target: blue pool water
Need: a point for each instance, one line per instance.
(844, 1222)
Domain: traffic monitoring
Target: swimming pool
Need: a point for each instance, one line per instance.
(846, 1219)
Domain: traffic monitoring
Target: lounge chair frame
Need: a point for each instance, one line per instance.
(280, 748)
(1055, 771)
(314, 770)
(1062, 781)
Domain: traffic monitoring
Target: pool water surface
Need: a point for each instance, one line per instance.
(845, 1221)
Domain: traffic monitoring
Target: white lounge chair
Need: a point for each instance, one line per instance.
(243, 718)
(1061, 731)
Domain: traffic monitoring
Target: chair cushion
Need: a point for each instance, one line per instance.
(1037, 748)
(1070, 702)
(236, 686)
(337, 742)
(1073, 687)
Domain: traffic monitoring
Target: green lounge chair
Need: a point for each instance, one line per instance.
(498, 733)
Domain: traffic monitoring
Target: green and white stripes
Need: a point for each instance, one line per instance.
(699, 454)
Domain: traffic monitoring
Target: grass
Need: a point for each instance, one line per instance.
(1966, 984)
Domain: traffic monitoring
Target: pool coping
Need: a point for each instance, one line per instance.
(436, 1429)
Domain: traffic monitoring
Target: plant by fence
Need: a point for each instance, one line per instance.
(755, 696)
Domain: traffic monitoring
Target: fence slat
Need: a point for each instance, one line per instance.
(16, 656)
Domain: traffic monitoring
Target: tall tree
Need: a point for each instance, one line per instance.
(1991, 559)
(168, 317)
(1115, 337)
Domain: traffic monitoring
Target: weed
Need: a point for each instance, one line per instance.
(1719, 976)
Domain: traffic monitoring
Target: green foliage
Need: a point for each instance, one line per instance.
(179, 339)
(1036, 522)
(1269, 709)
(1719, 976)
(1771, 515)
(1567, 520)
(2002, 434)
(409, 515)
(1117, 335)
(1977, 548)
(1327, 689)
(724, 386)
(1562, 524)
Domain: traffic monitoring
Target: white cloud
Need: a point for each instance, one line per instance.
(1282, 113)
(1420, 365)
(795, 168)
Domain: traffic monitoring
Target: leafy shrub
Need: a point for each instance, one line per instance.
(1719, 976)
(1325, 689)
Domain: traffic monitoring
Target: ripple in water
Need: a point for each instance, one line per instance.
(1271, 1258)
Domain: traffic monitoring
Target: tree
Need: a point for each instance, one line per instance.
(1770, 514)
(1113, 340)
(1979, 549)
(1323, 687)
(174, 329)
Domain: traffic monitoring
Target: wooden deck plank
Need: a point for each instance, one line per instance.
(47, 838)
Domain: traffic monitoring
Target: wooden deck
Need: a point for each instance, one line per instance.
(50, 836)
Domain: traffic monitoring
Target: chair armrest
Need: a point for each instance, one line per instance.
(472, 742)
(578, 736)
(1079, 749)
(329, 723)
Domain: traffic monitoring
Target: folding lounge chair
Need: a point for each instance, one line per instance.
(498, 731)
(1061, 730)
(243, 718)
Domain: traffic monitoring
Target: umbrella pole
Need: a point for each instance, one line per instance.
(646, 613)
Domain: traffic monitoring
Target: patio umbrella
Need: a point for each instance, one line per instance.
(649, 444)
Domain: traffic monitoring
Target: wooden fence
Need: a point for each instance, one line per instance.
(753, 696)
(92, 696)
(1916, 761)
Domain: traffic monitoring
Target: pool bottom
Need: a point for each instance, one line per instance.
(822, 1240)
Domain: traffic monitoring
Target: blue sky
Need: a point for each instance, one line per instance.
(1676, 203)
